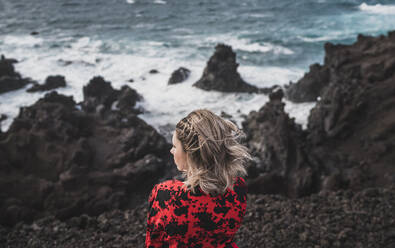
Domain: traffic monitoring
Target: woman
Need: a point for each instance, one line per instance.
(206, 209)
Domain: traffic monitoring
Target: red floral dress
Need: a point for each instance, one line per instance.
(179, 218)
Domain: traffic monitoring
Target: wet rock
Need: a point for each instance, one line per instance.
(221, 73)
(153, 71)
(310, 86)
(179, 75)
(7, 67)
(277, 143)
(351, 127)
(63, 62)
(60, 160)
(9, 79)
(348, 143)
(225, 115)
(100, 97)
(51, 82)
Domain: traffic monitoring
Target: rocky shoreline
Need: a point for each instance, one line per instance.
(78, 174)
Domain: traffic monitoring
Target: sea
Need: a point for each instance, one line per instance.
(275, 42)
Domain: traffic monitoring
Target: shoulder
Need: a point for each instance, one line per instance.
(164, 194)
(167, 187)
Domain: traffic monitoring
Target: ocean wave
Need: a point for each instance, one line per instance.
(248, 46)
(24, 40)
(269, 76)
(160, 2)
(130, 1)
(319, 38)
(378, 9)
(258, 15)
(87, 44)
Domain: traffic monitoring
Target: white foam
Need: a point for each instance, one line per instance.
(85, 44)
(319, 38)
(258, 15)
(160, 2)
(163, 104)
(130, 1)
(269, 76)
(378, 9)
(244, 44)
(299, 111)
(23, 40)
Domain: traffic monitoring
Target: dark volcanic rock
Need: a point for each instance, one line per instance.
(221, 73)
(9, 79)
(179, 75)
(308, 88)
(62, 161)
(368, 59)
(352, 126)
(7, 67)
(52, 82)
(349, 143)
(278, 145)
(100, 96)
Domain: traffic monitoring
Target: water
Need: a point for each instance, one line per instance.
(275, 42)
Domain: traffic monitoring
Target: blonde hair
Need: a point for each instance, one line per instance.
(214, 155)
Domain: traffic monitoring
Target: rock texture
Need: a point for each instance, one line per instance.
(332, 219)
(352, 126)
(349, 142)
(367, 60)
(309, 87)
(221, 73)
(62, 161)
(278, 144)
(179, 76)
(10, 79)
(51, 82)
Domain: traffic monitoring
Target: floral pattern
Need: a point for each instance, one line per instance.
(179, 218)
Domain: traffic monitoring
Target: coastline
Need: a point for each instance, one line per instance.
(325, 183)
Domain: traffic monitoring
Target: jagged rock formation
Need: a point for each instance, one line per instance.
(368, 59)
(278, 144)
(221, 73)
(310, 86)
(349, 142)
(352, 126)
(60, 160)
(51, 82)
(179, 76)
(10, 79)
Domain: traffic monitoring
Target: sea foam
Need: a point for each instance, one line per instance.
(160, 2)
(244, 44)
(378, 9)
(23, 40)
